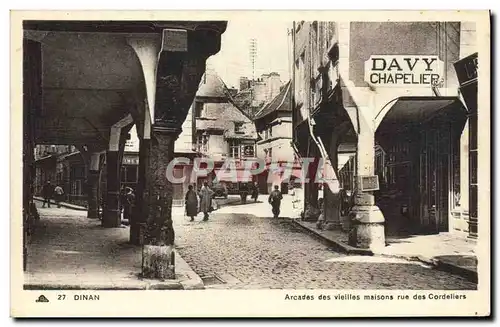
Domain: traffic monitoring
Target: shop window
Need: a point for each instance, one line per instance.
(455, 175)
(129, 174)
(76, 187)
(248, 151)
(77, 172)
(234, 149)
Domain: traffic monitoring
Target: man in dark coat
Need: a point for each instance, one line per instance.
(47, 193)
(275, 201)
(128, 205)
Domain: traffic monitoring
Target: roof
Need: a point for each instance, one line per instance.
(281, 102)
(212, 86)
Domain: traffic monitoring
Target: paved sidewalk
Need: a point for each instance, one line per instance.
(70, 251)
(444, 251)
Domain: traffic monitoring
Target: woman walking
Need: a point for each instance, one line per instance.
(206, 195)
(191, 201)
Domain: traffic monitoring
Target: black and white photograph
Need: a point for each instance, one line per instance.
(347, 155)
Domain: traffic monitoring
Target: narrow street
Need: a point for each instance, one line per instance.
(244, 251)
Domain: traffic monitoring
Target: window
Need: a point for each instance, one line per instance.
(198, 109)
(202, 143)
(238, 127)
(234, 148)
(77, 172)
(248, 151)
(76, 187)
(129, 174)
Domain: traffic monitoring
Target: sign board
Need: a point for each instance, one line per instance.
(130, 161)
(369, 183)
(466, 69)
(403, 70)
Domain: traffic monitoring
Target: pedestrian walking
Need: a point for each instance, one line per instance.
(244, 192)
(128, 204)
(59, 194)
(320, 223)
(275, 201)
(255, 191)
(47, 193)
(191, 202)
(206, 195)
(293, 193)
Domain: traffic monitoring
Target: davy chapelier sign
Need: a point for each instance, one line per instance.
(403, 70)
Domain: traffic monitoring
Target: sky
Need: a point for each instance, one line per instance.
(233, 60)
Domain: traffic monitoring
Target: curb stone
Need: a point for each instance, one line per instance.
(194, 282)
(336, 244)
(469, 274)
(62, 204)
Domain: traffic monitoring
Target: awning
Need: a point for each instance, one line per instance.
(412, 112)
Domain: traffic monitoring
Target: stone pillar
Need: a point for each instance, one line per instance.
(173, 99)
(159, 234)
(93, 186)
(172, 77)
(368, 221)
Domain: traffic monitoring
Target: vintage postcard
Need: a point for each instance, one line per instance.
(250, 163)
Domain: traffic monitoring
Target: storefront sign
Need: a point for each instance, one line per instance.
(466, 69)
(130, 161)
(403, 70)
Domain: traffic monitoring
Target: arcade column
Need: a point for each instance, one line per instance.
(366, 218)
(172, 72)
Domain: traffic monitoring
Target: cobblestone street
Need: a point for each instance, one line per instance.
(250, 252)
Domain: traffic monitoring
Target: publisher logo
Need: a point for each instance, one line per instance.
(42, 298)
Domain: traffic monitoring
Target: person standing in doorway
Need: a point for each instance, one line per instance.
(123, 197)
(128, 204)
(275, 201)
(206, 195)
(191, 202)
(59, 193)
(47, 193)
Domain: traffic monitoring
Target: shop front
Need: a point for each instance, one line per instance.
(420, 178)
(467, 72)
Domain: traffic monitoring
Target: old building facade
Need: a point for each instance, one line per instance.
(255, 93)
(389, 117)
(274, 126)
(217, 130)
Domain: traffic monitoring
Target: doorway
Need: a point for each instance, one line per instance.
(437, 179)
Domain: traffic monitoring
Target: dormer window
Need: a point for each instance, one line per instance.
(238, 128)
